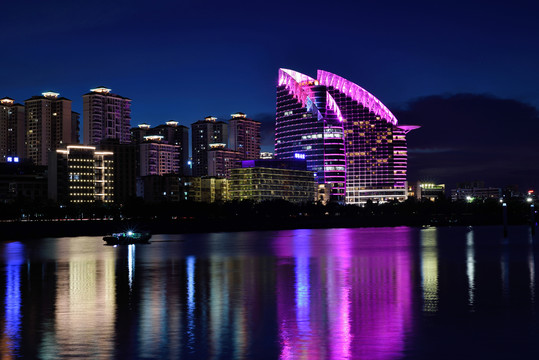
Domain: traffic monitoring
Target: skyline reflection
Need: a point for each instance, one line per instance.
(362, 306)
(378, 293)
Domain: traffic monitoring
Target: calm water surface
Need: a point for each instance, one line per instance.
(384, 293)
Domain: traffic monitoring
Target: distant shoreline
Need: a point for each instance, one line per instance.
(19, 230)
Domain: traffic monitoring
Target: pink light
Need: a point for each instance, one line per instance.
(333, 106)
(365, 310)
(408, 128)
(357, 93)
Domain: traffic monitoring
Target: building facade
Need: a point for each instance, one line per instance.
(170, 133)
(350, 139)
(105, 116)
(203, 133)
(81, 174)
(48, 126)
(221, 160)
(261, 180)
(208, 189)
(11, 130)
(159, 189)
(427, 191)
(158, 159)
(244, 136)
(126, 165)
(472, 193)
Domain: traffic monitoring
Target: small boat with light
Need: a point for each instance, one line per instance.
(127, 238)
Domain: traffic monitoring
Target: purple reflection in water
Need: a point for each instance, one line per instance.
(14, 257)
(343, 298)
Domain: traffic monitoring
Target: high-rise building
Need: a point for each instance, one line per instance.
(158, 158)
(172, 133)
(350, 139)
(244, 136)
(11, 130)
(126, 163)
(105, 116)
(203, 133)
(177, 135)
(81, 174)
(138, 133)
(48, 125)
(222, 159)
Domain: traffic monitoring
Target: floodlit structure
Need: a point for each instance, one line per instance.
(106, 116)
(158, 159)
(81, 174)
(270, 179)
(351, 140)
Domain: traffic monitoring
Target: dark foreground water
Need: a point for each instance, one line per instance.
(383, 293)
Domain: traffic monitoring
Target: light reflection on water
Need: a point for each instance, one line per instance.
(387, 293)
(352, 296)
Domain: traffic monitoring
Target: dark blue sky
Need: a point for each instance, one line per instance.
(184, 60)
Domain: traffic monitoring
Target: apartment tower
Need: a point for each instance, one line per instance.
(244, 136)
(106, 116)
(48, 125)
(203, 133)
(11, 130)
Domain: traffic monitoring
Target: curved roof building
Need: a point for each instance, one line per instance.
(349, 138)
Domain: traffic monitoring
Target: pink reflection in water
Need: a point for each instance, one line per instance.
(345, 294)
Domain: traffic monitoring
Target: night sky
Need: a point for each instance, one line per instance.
(466, 71)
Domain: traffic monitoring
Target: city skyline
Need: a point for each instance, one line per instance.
(186, 61)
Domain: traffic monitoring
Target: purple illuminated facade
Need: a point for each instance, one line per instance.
(348, 137)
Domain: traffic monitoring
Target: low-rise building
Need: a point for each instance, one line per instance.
(475, 193)
(427, 191)
(159, 188)
(270, 179)
(22, 181)
(81, 174)
(208, 189)
(221, 160)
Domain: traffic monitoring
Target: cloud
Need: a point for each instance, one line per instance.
(428, 150)
(466, 137)
(267, 130)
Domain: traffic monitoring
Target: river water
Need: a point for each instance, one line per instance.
(371, 293)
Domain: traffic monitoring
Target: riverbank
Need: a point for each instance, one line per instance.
(18, 230)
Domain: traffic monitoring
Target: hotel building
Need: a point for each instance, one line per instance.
(49, 124)
(105, 116)
(349, 138)
(81, 174)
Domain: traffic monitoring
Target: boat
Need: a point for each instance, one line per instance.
(127, 238)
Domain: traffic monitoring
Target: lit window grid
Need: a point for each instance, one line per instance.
(375, 147)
